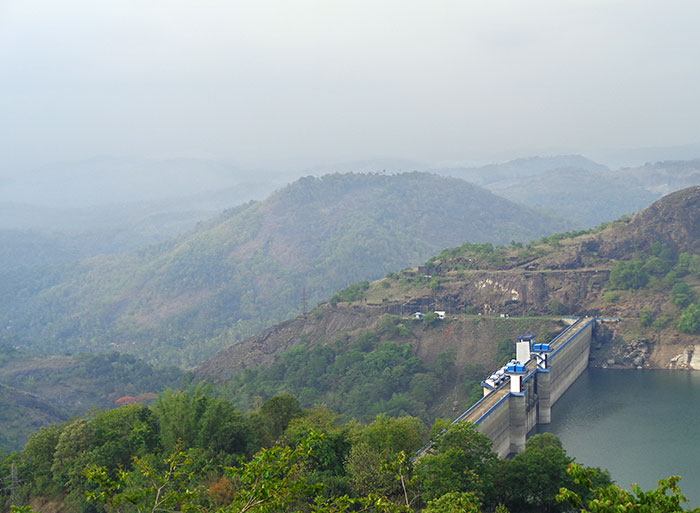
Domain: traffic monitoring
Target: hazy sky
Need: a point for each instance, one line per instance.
(269, 82)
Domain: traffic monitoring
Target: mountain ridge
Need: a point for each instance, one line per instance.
(249, 267)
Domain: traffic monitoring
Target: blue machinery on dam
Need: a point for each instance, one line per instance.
(520, 395)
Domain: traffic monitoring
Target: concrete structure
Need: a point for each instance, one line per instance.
(513, 406)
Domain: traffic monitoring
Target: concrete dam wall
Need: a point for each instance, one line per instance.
(521, 394)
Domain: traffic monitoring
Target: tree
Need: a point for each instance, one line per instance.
(274, 416)
(629, 275)
(197, 418)
(272, 481)
(375, 447)
(532, 479)
(455, 502)
(463, 461)
(690, 319)
(37, 458)
(682, 295)
(667, 498)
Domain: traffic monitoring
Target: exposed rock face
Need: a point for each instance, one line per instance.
(515, 292)
(688, 359)
(633, 355)
(673, 220)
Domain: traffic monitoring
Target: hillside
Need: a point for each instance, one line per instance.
(644, 269)
(34, 235)
(179, 301)
(21, 414)
(36, 391)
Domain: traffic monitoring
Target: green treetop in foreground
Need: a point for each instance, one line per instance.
(667, 498)
(193, 452)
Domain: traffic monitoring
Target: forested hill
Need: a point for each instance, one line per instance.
(179, 301)
(366, 347)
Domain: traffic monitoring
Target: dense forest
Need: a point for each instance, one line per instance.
(194, 451)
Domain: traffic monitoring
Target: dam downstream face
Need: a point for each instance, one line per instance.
(642, 425)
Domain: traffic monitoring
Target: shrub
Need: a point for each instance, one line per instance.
(690, 320)
(682, 295)
(646, 315)
(611, 296)
(557, 307)
(629, 275)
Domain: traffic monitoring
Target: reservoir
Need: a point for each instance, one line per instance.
(642, 425)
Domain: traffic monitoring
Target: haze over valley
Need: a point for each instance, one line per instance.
(276, 256)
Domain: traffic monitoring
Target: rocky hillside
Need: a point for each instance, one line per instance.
(255, 265)
(644, 270)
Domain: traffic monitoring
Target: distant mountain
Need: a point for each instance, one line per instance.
(521, 168)
(579, 189)
(256, 264)
(584, 196)
(663, 177)
(634, 157)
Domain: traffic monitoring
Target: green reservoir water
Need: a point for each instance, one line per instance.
(641, 425)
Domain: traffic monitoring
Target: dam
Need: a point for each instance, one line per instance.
(520, 395)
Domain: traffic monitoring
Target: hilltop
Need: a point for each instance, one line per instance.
(254, 265)
(644, 269)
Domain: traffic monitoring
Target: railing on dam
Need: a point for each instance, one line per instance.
(508, 413)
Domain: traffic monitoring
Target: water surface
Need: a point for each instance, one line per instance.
(641, 425)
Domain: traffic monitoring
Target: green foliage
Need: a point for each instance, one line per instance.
(556, 307)
(147, 488)
(273, 480)
(455, 502)
(375, 447)
(462, 461)
(355, 292)
(646, 316)
(611, 296)
(688, 264)
(195, 418)
(115, 462)
(473, 375)
(506, 351)
(667, 498)
(361, 378)
(629, 275)
(531, 480)
(430, 319)
(682, 295)
(274, 417)
(690, 320)
(69, 386)
(471, 256)
(662, 320)
(392, 326)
